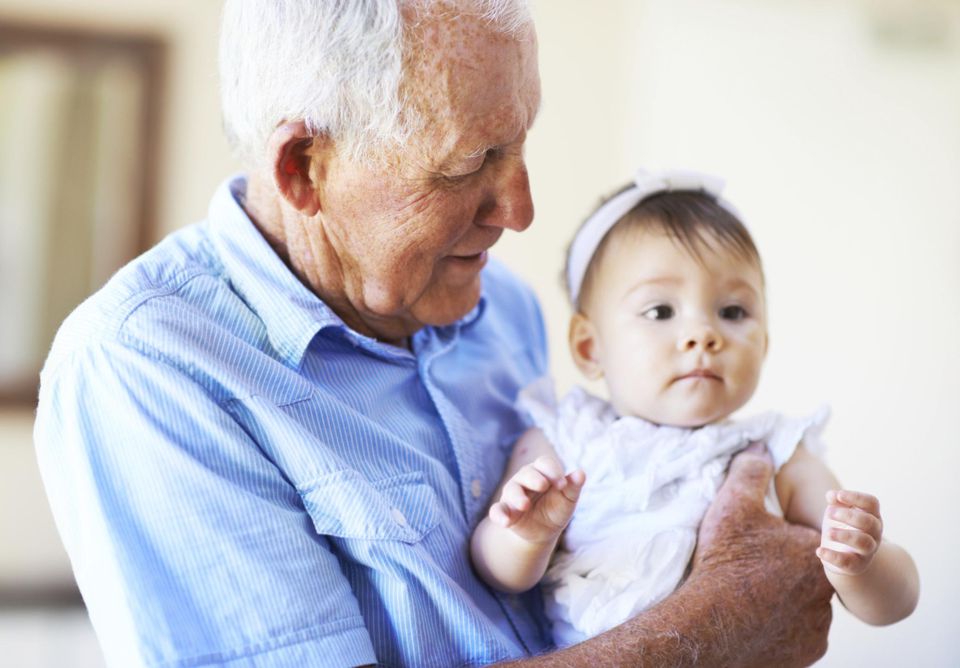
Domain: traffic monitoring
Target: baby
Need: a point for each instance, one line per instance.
(670, 311)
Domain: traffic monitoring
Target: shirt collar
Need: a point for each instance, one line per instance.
(292, 314)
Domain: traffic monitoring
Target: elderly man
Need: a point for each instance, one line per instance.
(267, 440)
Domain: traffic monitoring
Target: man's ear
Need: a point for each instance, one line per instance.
(294, 152)
(585, 346)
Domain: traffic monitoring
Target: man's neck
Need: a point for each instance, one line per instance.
(321, 275)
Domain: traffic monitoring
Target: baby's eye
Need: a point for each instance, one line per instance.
(733, 313)
(658, 312)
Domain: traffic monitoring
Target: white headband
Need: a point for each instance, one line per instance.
(645, 184)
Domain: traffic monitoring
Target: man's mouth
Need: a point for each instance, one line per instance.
(470, 258)
(472, 262)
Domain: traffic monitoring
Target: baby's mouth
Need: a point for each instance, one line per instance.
(705, 374)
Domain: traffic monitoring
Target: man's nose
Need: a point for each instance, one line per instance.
(700, 336)
(508, 203)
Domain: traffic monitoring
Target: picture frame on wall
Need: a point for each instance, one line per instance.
(79, 132)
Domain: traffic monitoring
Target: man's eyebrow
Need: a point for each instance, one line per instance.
(522, 129)
(480, 150)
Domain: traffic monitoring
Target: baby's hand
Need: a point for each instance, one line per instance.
(851, 532)
(538, 501)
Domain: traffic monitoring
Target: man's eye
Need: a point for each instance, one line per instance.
(733, 313)
(658, 312)
(475, 165)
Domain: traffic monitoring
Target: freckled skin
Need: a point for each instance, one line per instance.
(400, 244)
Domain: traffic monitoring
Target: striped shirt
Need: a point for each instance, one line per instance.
(240, 478)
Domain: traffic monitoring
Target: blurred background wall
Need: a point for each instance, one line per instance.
(837, 126)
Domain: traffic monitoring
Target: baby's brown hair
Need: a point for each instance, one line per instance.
(692, 218)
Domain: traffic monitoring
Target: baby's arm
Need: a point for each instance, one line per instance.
(875, 579)
(512, 545)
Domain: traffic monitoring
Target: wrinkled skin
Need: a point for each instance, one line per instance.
(769, 570)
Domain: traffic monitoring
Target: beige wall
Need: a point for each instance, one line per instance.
(842, 147)
(193, 159)
(838, 128)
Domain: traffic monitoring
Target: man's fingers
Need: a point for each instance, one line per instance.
(738, 506)
(749, 475)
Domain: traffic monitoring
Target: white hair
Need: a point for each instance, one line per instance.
(335, 64)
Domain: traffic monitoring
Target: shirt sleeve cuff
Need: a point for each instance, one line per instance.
(347, 647)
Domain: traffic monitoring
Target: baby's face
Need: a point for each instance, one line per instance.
(678, 342)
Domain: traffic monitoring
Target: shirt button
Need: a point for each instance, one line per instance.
(398, 517)
(476, 489)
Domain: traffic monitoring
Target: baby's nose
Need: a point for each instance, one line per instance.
(702, 337)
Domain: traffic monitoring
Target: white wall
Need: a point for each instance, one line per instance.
(843, 155)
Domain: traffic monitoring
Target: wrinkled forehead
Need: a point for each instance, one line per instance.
(459, 71)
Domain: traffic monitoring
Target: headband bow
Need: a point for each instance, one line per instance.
(645, 184)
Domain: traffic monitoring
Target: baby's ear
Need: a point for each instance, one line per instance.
(585, 346)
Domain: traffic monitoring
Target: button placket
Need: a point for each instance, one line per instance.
(466, 454)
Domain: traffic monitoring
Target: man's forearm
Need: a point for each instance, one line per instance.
(694, 625)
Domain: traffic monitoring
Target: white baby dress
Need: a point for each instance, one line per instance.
(648, 486)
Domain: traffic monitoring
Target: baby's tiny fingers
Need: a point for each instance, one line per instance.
(532, 479)
(515, 496)
(857, 540)
(500, 515)
(861, 500)
(857, 519)
(844, 562)
(549, 466)
(575, 480)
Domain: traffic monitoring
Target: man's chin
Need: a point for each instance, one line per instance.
(439, 308)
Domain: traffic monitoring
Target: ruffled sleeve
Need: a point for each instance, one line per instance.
(790, 432)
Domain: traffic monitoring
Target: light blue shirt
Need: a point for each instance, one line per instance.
(238, 477)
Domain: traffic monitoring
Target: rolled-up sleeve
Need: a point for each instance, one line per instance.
(189, 545)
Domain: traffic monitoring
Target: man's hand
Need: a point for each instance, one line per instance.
(772, 600)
